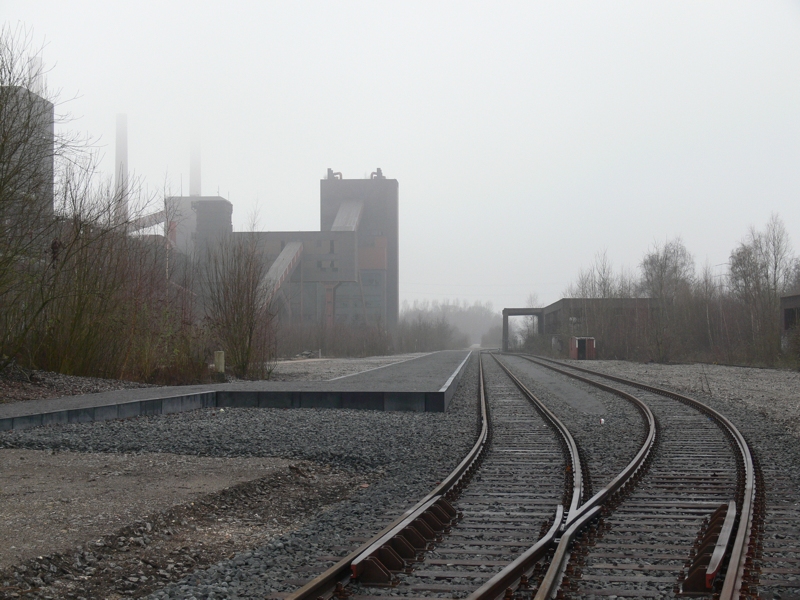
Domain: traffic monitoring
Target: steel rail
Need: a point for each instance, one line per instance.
(552, 579)
(583, 514)
(732, 583)
(324, 584)
(569, 441)
(511, 573)
(641, 456)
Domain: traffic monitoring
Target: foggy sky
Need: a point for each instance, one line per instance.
(525, 136)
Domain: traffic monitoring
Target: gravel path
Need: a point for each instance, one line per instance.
(402, 454)
(322, 369)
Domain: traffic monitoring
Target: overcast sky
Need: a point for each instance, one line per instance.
(526, 136)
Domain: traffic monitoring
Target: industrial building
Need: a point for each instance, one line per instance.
(345, 273)
(790, 319)
(348, 271)
(620, 320)
(27, 122)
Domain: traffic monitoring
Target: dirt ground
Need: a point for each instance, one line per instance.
(99, 525)
(112, 526)
(83, 496)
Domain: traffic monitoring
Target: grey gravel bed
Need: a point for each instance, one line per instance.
(772, 392)
(608, 446)
(407, 453)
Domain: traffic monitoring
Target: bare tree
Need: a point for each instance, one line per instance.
(530, 323)
(761, 271)
(667, 276)
(27, 153)
(237, 307)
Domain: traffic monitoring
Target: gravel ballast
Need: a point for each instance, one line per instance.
(401, 455)
(771, 393)
(764, 405)
(608, 429)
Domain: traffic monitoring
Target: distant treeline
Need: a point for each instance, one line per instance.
(727, 315)
(459, 323)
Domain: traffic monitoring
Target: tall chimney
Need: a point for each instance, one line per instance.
(194, 167)
(36, 76)
(121, 171)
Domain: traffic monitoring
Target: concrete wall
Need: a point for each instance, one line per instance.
(377, 235)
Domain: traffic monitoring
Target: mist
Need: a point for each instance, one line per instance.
(525, 137)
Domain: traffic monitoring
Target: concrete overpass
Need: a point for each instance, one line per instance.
(521, 312)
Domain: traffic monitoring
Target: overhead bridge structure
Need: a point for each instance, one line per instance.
(520, 312)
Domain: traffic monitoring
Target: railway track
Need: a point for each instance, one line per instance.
(512, 513)
(688, 519)
(504, 515)
(518, 518)
(774, 565)
(508, 494)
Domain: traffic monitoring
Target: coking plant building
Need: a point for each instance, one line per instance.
(345, 273)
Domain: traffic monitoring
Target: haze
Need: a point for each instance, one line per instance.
(525, 136)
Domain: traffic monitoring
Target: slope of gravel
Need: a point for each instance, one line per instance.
(17, 385)
(405, 454)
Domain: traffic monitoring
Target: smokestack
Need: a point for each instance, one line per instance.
(194, 167)
(35, 76)
(121, 170)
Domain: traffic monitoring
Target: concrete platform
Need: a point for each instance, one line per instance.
(422, 384)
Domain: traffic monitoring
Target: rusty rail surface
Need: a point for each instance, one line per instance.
(368, 554)
(513, 573)
(566, 436)
(581, 515)
(741, 547)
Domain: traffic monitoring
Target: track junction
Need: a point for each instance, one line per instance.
(541, 479)
(518, 518)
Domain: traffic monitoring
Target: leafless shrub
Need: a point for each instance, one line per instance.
(423, 333)
(236, 300)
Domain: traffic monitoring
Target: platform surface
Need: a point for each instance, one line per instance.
(424, 383)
